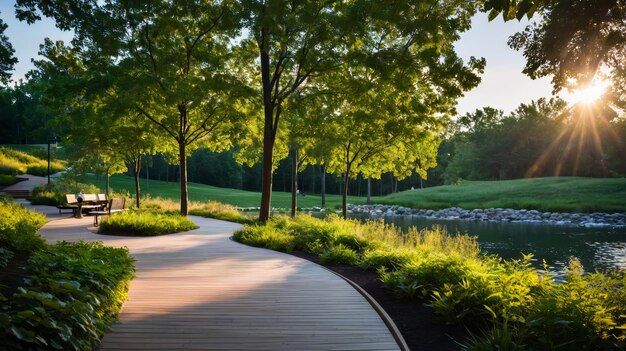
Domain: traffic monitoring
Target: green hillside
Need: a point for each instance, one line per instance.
(569, 194)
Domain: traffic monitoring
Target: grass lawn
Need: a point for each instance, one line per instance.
(572, 194)
(201, 192)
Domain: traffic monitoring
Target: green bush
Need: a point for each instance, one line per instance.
(72, 295)
(53, 194)
(386, 258)
(5, 256)
(19, 226)
(6, 179)
(519, 308)
(145, 223)
(220, 211)
(339, 254)
(265, 236)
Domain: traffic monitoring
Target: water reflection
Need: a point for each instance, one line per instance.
(597, 248)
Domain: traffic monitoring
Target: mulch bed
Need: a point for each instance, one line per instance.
(421, 328)
(12, 276)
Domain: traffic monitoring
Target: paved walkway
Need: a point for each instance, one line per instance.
(200, 290)
(31, 182)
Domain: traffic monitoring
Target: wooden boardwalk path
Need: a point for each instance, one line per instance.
(200, 290)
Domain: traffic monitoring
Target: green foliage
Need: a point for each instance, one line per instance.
(138, 223)
(517, 307)
(6, 179)
(15, 162)
(339, 254)
(387, 259)
(265, 236)
(19, 226)
(218, 210)
(53, 194)
(5, 256)
(73, 293)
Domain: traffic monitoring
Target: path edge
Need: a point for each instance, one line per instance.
(395, 332)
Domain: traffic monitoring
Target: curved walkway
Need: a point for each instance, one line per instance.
(200, 290)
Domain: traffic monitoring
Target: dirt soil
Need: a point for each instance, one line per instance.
(421, 328)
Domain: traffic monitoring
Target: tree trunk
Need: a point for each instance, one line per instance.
(323, 171)
(182, 155)
(294, 182)
(270, 125)
(369, 191)
(137, 169)
(344, 198)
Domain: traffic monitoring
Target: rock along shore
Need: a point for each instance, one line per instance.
(589, 220)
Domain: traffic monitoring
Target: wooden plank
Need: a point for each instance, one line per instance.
(200, 290)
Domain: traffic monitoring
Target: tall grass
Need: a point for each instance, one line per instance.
(210, 209)
(510, 299)
(15, 162)
(145, 223)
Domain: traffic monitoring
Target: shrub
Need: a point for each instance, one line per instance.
(72, 295)
(387, 258)
(428, 273)
(6, 179)
(5, 256)
(265, 236)
(145, 223)
(53, 194)
(339, 254)
(221, 211)
(518, 307)
(19, 226)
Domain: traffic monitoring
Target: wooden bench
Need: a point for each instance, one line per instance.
(114, 205)
(70, 204)
(89, 202)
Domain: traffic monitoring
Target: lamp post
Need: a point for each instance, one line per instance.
(54, 142)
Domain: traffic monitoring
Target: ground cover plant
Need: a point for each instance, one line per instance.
(506, 304)
(69, 293)
(210, 209)
(15, 162)
(567, 194)
(6, 179)
(53, 194)
(145, 223)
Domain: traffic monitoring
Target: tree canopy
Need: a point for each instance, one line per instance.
(571, 41)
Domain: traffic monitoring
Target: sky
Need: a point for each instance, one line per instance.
(503, 84)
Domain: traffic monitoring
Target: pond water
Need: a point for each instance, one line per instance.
(599, 249)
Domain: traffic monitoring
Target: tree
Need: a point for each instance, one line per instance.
(7, 60)
(377, 121)
(572, 40)
(298, 41)
(172, 64)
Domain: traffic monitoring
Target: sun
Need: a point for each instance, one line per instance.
(588, 95)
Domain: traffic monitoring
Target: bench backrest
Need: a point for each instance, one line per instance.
(117, 203)
(101, 198)
(70, 198)
(90, 197)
